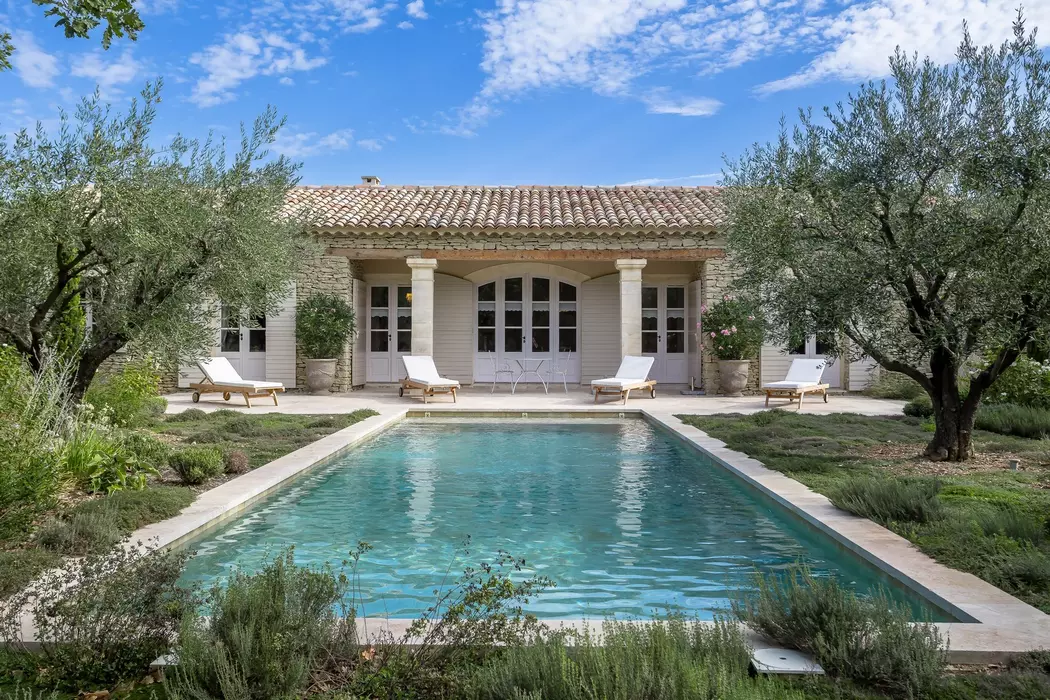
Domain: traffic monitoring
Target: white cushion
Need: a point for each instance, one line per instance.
(618, 383)
(633, 367)
(249, 384)
(422, 370)
(806, 371)
(218, 370)
(790, 385)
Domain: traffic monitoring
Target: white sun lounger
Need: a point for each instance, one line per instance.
(803, 378)
(633, 374)
(221, 377)
(423, 375)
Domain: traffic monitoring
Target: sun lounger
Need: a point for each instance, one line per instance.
(423, 375)
(803, 378)
(221, 377)
(633, 374)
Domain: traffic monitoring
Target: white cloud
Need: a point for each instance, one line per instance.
(660, 103)
(109, 75)
(416, 9)
(685, 179)
(370, 144)
(36, 67)
(310, 143)
(286, 81)
(404, 25)
(243, 56)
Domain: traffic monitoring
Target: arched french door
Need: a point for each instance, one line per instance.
(527, 318)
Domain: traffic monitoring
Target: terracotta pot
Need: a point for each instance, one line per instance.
(320, 375)
(732, 377)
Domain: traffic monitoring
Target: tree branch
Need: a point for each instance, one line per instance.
(893, 365)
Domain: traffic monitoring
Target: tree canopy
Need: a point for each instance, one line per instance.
(79, 17)
(912, 223)
(151, 239)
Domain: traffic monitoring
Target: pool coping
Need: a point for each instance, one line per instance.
(1000, 625)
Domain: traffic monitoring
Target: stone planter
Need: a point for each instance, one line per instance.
(732, 377)
(320, 375)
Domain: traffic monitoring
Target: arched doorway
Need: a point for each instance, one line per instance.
(529, 317)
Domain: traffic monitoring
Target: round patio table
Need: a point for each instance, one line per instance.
(527, 368)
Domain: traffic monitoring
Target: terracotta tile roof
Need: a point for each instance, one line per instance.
(623, 209)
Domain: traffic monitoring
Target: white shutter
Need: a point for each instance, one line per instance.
(280, 342)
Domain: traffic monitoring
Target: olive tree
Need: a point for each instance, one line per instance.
(912, 223)
(152, 239)
(78, 18)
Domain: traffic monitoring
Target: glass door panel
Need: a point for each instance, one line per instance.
(404, 319)
(513, 317)
(379, 320)
(487, 317)
(650, 320)
(674, 321)
(566, 317)
(541, 315)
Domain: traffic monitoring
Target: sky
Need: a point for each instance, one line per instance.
(492, 92)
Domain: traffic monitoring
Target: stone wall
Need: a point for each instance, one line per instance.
(329, 274)
(168, 376)
(515, 241)
(716, 276)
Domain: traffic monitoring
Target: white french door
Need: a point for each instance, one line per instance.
(527, 318)
(389, 331)
(815, 348)
(243, 343)
(664, 333)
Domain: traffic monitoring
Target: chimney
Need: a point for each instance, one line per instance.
(371, 180)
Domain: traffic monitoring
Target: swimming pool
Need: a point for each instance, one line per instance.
(627, 520)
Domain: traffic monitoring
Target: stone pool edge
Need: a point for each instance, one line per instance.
(1003, 625)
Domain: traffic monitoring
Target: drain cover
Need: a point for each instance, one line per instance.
(784, 662)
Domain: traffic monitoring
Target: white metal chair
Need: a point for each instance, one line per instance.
(499, 368)
(561, 368)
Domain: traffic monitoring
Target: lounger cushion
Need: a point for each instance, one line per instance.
(422, 370)
(791, 385)
(633, 371)
(806, 370)
(618, 383)
(219, 371)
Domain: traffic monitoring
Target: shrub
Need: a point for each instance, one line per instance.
(19, 567)
(121, 614)
(894, 385)
(80, 533)
(1011, 419)
(868, 640)
(236, 462)
(265, 634)
(127, 397)
(323, 325)
(919, 407)
(100, 461)
(134, 509)
(146, 447)
(195, 465)
(733, 329)
(1025, 383)
(888, 501)
(1014, 524)
(190, 414)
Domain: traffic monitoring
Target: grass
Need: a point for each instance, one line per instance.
(261, 437)
(1010, 419)
(989, 516)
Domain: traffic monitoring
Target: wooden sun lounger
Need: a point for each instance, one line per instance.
(793, 393)
(227, 390)
(624, 392)
(427, 389)
(422, 374)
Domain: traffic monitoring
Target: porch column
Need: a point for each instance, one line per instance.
(422, 305)
(630, 306)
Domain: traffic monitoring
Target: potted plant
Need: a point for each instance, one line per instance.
(733, 329)
(323, 325)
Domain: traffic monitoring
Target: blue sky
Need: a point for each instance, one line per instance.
(493, 91)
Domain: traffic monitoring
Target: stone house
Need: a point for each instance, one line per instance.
(480, 278)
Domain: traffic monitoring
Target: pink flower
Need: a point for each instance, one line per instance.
(713, 334)
(725, 331)
(750, 318)
(703, 308)
(697, 325)
(734, 329)
(725, 297)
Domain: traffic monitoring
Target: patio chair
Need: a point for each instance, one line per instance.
(422, 374)
(560, 368)
(633, 374)
(499, 368)
(803, 378)
(221, 377)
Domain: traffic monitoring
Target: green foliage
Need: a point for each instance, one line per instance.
(1015, 524)
(853, 221)
(101, 462)
(190, 414)
(146, 447)
(733, 329)
(19, 567)
(1010, 419)
(127, 398)
(224, 233)
(131, 510)
(889, 501)
(265, 634)
(80, 533)
(668, 659)
(79, 17)
(196, 464)
(893, 385)
(103, 618)
(323, 325)
(868, 640)
(1025, 383)
(236, 462)
(919, 407)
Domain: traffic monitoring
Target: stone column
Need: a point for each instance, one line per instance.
(630, 306)
(422, 305)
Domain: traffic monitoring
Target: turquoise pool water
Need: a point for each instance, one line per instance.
(625, 519)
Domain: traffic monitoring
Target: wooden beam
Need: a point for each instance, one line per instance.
(685, 254)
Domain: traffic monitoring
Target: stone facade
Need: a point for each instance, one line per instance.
(716, 276)
(516, 241)
(329, 274)
(168, 376)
